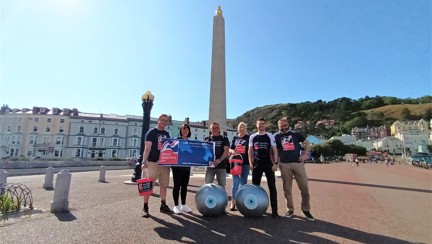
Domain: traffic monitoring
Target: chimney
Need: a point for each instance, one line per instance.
(56, 111)
(187, 120)
(75, 112)
(66, 111)
(43, 110)
(35, 110)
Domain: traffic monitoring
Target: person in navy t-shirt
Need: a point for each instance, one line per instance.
(261, 147)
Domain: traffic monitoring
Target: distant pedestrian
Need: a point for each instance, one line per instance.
(357, 162)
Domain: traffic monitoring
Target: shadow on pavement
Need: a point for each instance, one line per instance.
(192, 228)
(373, 185)
(65, 217)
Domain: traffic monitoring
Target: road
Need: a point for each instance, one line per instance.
(367, 204)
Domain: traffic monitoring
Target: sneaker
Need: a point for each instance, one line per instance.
(275, 215)
(289, 214)
(165, 209)
(308, 215)
(185, 209)
(176, 209)
(145, 213)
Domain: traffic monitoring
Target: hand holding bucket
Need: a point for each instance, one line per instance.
(145, 184)
(236, 162)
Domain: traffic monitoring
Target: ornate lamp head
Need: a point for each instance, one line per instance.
(147, 97)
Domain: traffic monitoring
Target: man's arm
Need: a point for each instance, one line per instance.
(275, 155)
(225, 153)
(305, 153)
(148, 145)
(250, 152)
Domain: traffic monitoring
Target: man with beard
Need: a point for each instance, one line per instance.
(292, 156)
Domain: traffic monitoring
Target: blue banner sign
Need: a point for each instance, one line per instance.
(179, 152)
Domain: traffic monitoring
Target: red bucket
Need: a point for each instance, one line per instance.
(145, 185)
(236, 164)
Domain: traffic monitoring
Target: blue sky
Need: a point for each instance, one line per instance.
(101, 55)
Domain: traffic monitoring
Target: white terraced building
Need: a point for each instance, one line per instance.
(70, 134)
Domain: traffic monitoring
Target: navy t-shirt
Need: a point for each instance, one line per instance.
(262, 146)
(288, 145)
(241, 145)
(155, 136)
(220, 142)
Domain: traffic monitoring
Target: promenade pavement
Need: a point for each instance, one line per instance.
(367, 204)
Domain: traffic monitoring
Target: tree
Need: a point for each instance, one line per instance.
(406, 114)
(321, 149)
(428, 114)
(337, 146)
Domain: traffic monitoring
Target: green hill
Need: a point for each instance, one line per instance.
(347, 113)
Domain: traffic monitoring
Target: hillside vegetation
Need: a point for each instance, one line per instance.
(396, 111)
(347, 113)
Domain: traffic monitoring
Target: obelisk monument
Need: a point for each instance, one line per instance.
(217, 112)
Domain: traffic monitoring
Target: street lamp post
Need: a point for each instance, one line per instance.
(147, 105)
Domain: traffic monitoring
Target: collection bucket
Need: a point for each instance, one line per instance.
(145, 185)
(236, 164)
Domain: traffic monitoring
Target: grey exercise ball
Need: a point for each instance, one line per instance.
(211, 200)
(252, 200)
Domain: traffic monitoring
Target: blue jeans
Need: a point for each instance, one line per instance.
(240, 179)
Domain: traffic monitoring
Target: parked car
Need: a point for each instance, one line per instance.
(423, 160)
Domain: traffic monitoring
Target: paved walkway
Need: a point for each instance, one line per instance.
(366, 204)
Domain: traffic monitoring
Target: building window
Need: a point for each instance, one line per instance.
(135, 131)
(114, 153)
(77, 152)
(79, 140)
(81, 129)
(49, 120)
(59, 140)
(134, 142)
(29, 153)
(19, 128)
(35, 129)
(94, 142)
(47, 129)
(102, 130)
(61, 129)
(46, 139)
(62, 121)
(9, 128)
(95, 130)
(102, 142)
(32, 140)
(115, 131)
(115, 142)
(36, 120)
